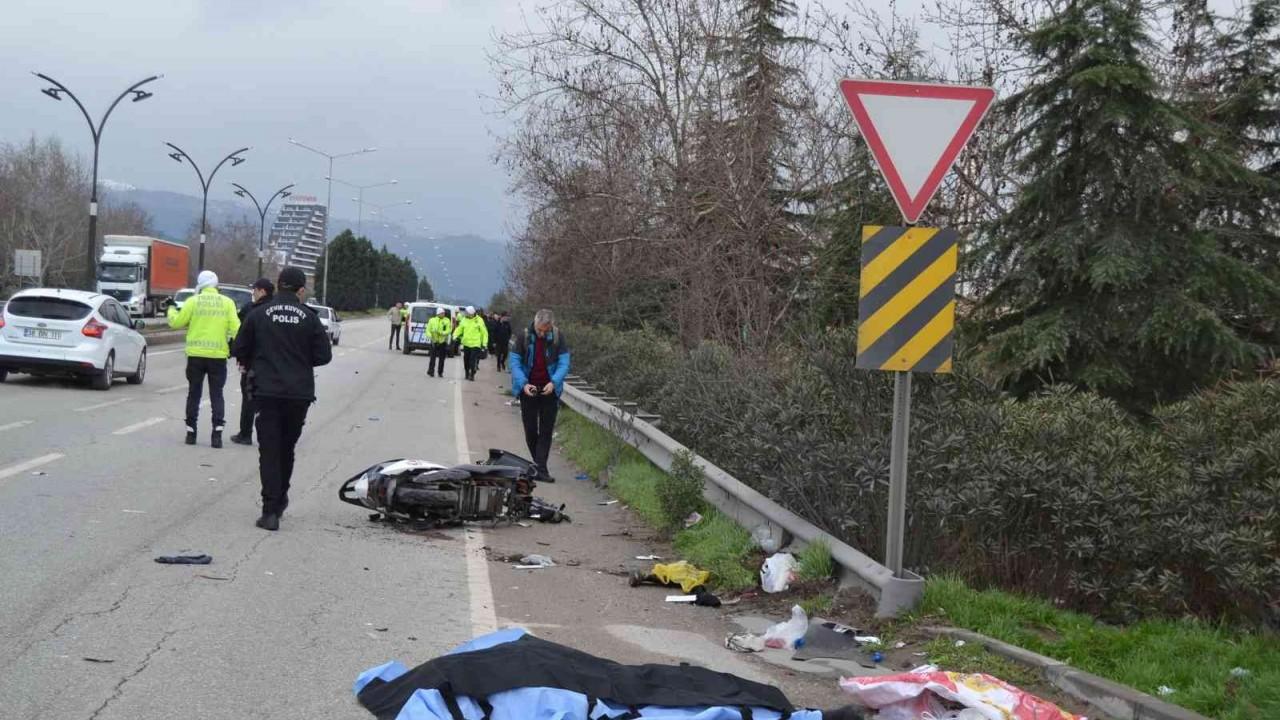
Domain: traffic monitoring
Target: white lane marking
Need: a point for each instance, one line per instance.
(484, 616)
(175, 388)
(99, 406)
(32, 463)
(15, 425)
(165, 352)
(138, 426)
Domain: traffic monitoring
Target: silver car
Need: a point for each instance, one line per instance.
(50, 331)
(329, 318)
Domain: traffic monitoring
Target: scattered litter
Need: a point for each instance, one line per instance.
(412, 637)
(766, 539)
(868, 639)
(582, 476)
(648, 557)
(268, 573)
(206, 465)
(375, 418)
(693, 519)
(213, 479)
(924, 691)
(680, 573)
(184, 559)
(1240, 672)
(899, 645)
(832, 640)
(785, 634)
(608, 502)
(778, 572)
(959, 643)
(530, 561)
(919, 654)
(382, 629)
(38, 473)
(877, 657)
(744, 643)
(212, 577)
(524, 524)
(136, 512)
(682, 598)
(98, 660)
(543, 544)
(706, 598)
(1165, 691)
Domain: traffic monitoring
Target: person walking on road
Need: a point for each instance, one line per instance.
(439, 330)
(262, 291)
(501, 339)
(282, 341)
(211, 322)
(474, 337)
(538, 369)
(396, 317)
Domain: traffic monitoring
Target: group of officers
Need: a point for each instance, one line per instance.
(278, 340)
(474, 333)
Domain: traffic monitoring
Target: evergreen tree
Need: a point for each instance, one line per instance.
(1107, 277)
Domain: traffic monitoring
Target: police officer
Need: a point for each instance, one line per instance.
(211, 321)
(282, 342)
(262, 291)
(438, 330)
(474, 337)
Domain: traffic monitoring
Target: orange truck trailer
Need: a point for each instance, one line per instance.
(143, 273)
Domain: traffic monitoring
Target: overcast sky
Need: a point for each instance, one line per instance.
(406, 76)
(403, 75)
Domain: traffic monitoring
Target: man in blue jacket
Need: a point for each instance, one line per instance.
(538, 368)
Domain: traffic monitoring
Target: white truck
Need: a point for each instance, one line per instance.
(143, 273)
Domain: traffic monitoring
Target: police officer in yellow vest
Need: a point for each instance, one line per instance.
(212, 322)
(474, 337)
(438, 329)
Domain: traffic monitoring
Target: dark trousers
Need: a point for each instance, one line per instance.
(501, 354)
(246, 407)
(395, 335)
(539, 415)
(471, 360)
(280, 424)
(197, 370)
(439, 351)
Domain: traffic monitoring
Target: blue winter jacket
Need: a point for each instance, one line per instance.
(522, 359)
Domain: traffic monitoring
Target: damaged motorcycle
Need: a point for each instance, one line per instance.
(497, 489)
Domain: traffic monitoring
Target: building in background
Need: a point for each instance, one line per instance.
(298, 233)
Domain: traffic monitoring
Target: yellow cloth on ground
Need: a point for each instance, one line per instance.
(682, 573)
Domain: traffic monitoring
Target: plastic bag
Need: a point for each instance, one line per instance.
(764, 537)
(778, 572)
(786, 634)
(683, 574)
(984, 697)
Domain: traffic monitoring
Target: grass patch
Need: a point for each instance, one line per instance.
(817, 605)
(1192, 657)
(815, 561)
(973, 658)
(716, 544)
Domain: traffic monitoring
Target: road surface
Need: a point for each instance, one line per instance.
(95, 485)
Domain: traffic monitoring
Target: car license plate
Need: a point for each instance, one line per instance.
(42, 334)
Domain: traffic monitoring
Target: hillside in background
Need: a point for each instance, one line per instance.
(475, 265)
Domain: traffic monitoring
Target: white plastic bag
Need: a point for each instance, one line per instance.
(778, 572)
(785, 634)
(764, 538)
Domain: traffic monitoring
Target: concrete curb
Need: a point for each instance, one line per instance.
(747, 507)
(166, 337)
(1110, 698)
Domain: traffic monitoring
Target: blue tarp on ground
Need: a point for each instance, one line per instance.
(542, 703)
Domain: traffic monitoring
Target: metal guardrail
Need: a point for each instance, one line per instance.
(747, 507)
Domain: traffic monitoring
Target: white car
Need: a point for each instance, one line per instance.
(49, 331)
(181, 296)
(329, 318)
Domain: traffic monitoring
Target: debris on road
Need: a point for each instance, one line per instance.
(833, 640)
(607, 502)
(681, 573)
(536, 561)
(766, 539)
(582, 476)
(693, 519)
(648, 557)
(212, 577)
(184, 559)
(136, 512)
(744, 643)
(1165, 691)
(98, 660)
(926, 692)
(681, 598)
(789, 632)
(778, 572)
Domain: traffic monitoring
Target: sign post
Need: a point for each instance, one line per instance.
(27, 263)
(906, 305)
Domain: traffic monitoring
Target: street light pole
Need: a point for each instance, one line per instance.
(56, 93)
(282, 193)
(179, 155)
(360, 197)
(328, 204)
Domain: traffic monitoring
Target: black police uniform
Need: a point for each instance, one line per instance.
(282, 341)
(247, 408)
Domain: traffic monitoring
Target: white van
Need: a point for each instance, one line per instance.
(416, 328)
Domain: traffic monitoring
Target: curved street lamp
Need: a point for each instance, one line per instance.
(282, 193)
(56, 93)
(179, 155)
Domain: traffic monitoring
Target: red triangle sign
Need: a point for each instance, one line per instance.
(915, 131)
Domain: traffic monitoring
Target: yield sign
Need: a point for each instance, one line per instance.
(915, 131)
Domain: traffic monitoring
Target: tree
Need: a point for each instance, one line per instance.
(231, 249)
(42, 207)
(425, 293)
(1106, 277)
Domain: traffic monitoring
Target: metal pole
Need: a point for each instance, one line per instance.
(90, 273)
(328, 213)
(262, 233)
(360, 213)
(898, 472)
(204, 211)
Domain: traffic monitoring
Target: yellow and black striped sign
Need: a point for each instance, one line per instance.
(907, 306)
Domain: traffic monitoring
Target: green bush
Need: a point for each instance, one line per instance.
(815, 562)
(1064, 495)
(680, 490)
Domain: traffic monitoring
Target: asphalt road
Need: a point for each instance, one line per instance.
(94, 485)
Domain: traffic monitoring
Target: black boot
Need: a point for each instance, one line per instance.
(242, 439)
(269, 522)
(191, 437)
(216, 439)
